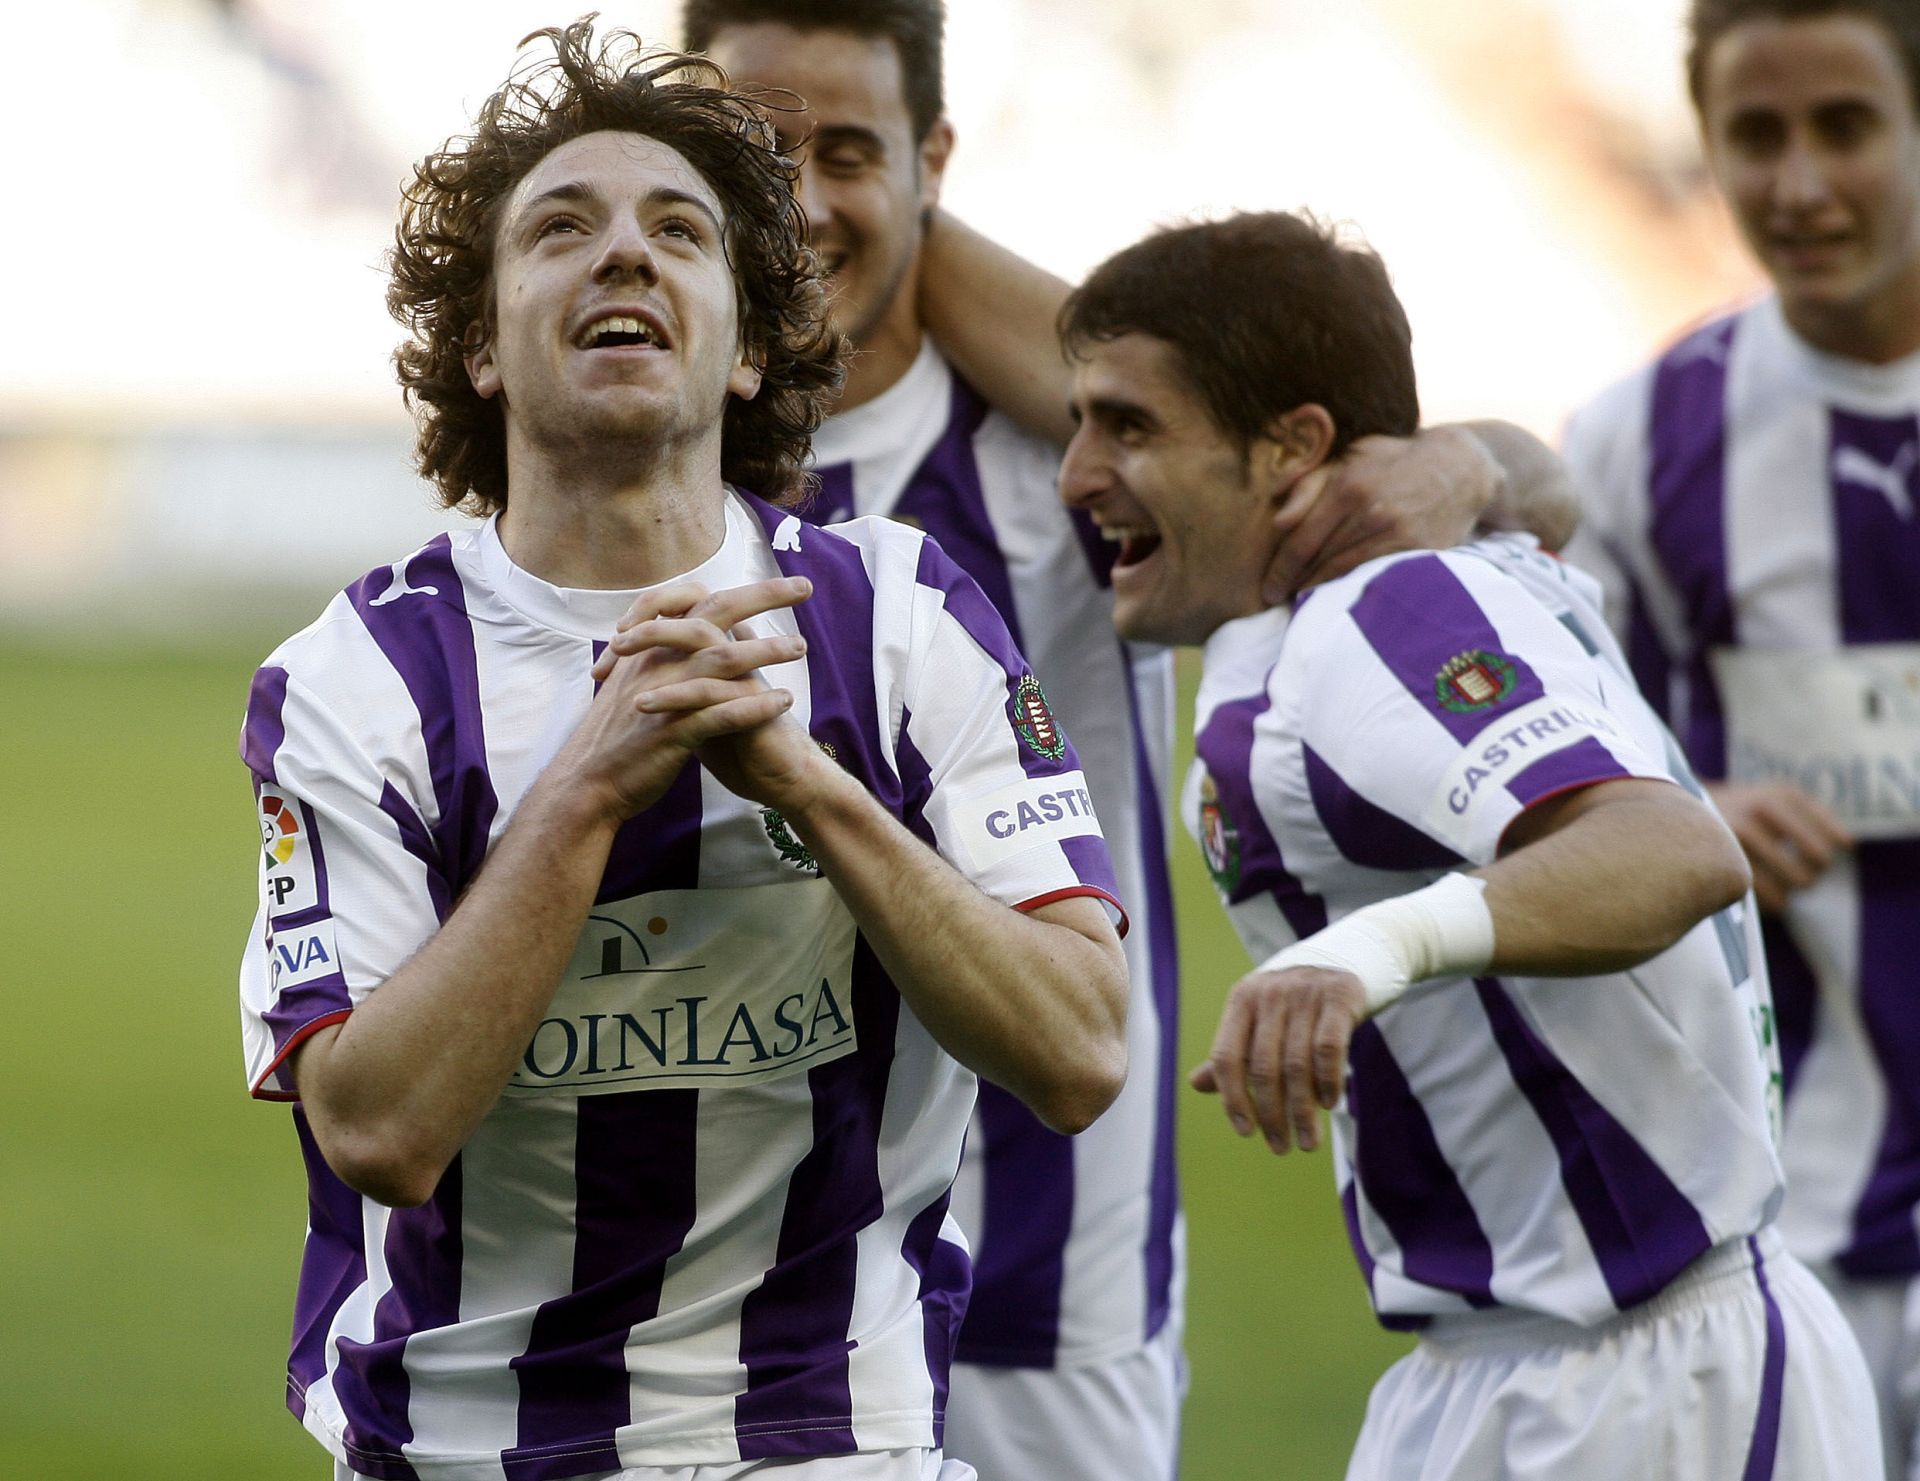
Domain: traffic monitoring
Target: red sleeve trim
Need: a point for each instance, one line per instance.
(1080, 889)
(306, 1031)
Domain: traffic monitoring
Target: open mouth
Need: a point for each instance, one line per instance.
(1137, 543)
(617, 331)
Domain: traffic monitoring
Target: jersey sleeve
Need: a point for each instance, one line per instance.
(349, 882)
(991, 780)
(1443, 696)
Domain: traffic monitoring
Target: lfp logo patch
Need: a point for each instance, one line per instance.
(289, 874)
(1034, 720)
(279, 828)
(1473, 681)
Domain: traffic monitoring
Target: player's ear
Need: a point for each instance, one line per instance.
(935, 150)
(482, 372)
(1296, 442)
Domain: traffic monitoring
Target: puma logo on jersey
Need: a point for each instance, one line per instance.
(787, 537)
(1862, 469)
(398, 587)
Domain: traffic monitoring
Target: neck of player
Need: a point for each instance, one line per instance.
(1879, 330)
(608, 522)
(884, 349)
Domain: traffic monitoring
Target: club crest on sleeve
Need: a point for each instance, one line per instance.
(1219, 839)
(780, 833)
(1034, 721)
(1474, 680)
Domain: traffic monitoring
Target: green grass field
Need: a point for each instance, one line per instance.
(151, 1216)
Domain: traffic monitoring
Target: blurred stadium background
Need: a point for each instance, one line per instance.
(199, 441)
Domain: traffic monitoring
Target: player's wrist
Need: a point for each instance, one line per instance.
(1444, 930)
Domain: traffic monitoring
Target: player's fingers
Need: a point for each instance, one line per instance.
(687, 695)
(681, 634)
(1229, 1062)
(742, 656)
(1332, 1035)
(1768, 889)
(1302, 1112)
(732, 716)
(1201, 1079)
(736, 604)
(1267, 1068)
(1301, 524)
(1807, 825)
(1770, 852)
(675, 599)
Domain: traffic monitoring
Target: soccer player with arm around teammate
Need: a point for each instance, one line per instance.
(1506, 942)
(1750, 500)
(1070, 1355)
(647, 873)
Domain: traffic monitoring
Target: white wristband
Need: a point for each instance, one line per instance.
(1444, 930)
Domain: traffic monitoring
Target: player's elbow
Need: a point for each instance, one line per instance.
(378, 1164)
(1078, 1096)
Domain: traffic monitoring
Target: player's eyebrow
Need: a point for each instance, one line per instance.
(1113, 411)
(835, 135)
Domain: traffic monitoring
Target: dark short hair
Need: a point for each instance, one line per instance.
(443, 255)
(1709, 20)
(915, 27)
(1267, 311)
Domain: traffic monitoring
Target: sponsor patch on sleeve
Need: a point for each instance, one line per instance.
(301, 955)
(998, 825)
(1507, 747)
(289, 877)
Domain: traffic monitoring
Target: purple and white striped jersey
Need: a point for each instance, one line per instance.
(708, 1219)
(1751, 500)
(1562, 1146)
(1078, 1243)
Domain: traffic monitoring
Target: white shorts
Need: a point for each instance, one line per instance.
(1113, 1420)
(868, 1465)
(1736, 1372)
(1885, 1316)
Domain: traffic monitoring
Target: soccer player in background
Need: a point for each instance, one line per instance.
(1750, 504)
(1070, 1364)
(631, 1002)
(1505, 942)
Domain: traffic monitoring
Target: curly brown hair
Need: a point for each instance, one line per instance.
(443, 255)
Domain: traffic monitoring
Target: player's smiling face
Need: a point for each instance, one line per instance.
(614, 304)
(865, 182)
(1191, 511)
(1811, 133)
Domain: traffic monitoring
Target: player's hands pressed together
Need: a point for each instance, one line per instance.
(1280, 1056)
(681, 675)
(1425, 492)
(1788, 836)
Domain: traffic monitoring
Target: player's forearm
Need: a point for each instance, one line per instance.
(993, 314)
(1537, 494)
(1626, 870)
(1032, 1004)
(397, 1089)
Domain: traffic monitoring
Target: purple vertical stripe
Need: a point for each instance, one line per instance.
(944, 497)
(1365, 834)
(1164, 963)
(837, 622)
(1686, 492)
(916, 781)
(417, 840)
(1225, 748)
(945, 1279)
(427, 637)
(1418, 617)
(1579, 765)
(634, 1203)
(1796, 998)
(1766, 1420)
(832, 501)
(1398, 1162)
(1647, 656)
(658, 849)
(1641, 1227)
(1019, 1258)
(1879, 549)
(264, 730)
(1350, 1214)
(332, 1268)
(794, 1327)
(423, 1254)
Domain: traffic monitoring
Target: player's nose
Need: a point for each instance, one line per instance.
(1800, 177)
(1085, 473)
(625, 252)
(809, 191)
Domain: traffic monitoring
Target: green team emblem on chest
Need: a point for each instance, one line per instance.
(1474, 680)
(1219, 839)
(1035, 722)
(780, 834)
